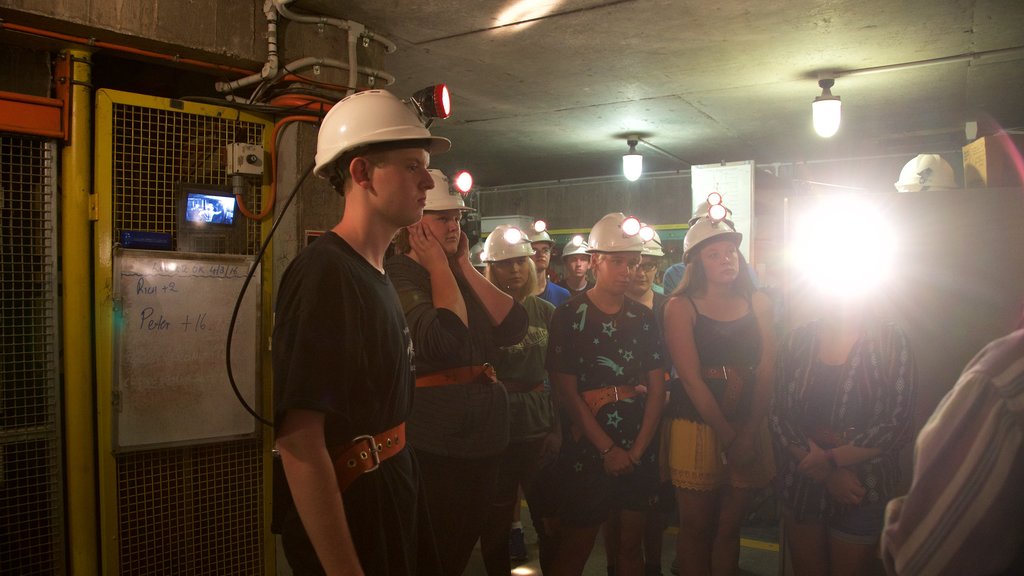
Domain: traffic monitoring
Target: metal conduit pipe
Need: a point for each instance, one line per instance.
(310, 61)
(281, 5)
(270, 67)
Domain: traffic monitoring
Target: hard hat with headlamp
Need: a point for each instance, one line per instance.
(575, 247)
(442, 196)
(707, 228)
(506, 242)
(539, 233)
(703, 209)
(370, 117)
(616, 232)
(653, 246)
(926, 172)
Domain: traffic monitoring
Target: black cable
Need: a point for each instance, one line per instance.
(241, 294)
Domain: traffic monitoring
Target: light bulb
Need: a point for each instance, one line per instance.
(632, 162)
(630, 226)
(826, 110)
(632, 166)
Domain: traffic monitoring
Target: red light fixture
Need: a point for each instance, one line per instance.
(433, 102)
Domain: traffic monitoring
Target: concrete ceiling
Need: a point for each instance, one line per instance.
(704, 81)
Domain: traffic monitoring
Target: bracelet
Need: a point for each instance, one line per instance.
(610, 448)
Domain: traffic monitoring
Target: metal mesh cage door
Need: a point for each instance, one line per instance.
(184, 509)
(31, 492)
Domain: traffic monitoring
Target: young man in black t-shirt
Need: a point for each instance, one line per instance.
(343, 358)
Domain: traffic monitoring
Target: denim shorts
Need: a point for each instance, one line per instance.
(859, 525)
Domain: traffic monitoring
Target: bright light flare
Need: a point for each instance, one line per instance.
(577, 240)
(714, 199)
(631, 226)
(445, 98)
(632, 166)
(717, 212)
(524, 12)
(826, 115)
(646, 233)
(540, 226)
(523, 571)
(843, 247)
(513, 235)
(463, 182)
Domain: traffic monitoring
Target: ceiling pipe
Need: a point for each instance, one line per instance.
(770, 166)
(270, 67)
(353, 30)
(92, 42)
(281, 5)
(310, 61)
(967, 56)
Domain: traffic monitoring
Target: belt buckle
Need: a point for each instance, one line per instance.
(373, 452)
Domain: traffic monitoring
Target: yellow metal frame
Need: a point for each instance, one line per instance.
(102, 200)
(79, 419)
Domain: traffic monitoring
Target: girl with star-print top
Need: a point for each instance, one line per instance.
(601, 346)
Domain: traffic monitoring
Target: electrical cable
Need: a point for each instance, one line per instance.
(241, 294)
(273, 169)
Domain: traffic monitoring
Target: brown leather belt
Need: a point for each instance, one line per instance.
(460, 375)
(365, 453)
(598, 397)
(522, 387)
(733, 389)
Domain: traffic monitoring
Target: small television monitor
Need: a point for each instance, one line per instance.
(201, 207)
(209, 220)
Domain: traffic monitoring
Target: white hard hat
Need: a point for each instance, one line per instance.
(442, 196)
(653, 246)
(506, 242)
(541, 236)
(704, 229)
(926, 172)
(369, 117)
(572, 248)
(610, 234)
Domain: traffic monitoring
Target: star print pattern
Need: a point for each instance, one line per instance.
(614, 419)
(609, 328)
(600, 350)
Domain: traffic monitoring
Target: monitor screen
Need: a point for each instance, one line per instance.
(201, 208)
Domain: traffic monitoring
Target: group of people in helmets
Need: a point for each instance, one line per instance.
(415, 395)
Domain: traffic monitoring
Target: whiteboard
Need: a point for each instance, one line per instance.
(172, 313)
(735, 182)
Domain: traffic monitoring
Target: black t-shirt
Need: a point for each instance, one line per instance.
(341, 347)
(601, 349)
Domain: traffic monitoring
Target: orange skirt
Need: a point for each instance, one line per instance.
(695, 461)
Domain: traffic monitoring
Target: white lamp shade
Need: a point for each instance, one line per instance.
(827, 113)
(632, 166)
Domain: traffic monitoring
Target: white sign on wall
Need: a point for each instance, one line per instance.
(735, 182)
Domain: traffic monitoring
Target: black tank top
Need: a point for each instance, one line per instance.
(733, 343)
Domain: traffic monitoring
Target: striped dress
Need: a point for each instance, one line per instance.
(871, 405)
